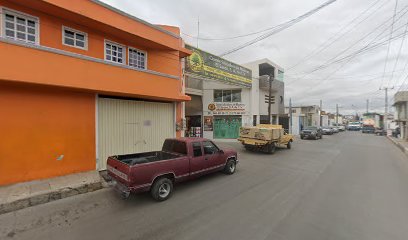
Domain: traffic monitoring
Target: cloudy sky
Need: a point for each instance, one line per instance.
(318, 54)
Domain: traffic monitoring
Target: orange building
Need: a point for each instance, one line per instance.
(81, 80)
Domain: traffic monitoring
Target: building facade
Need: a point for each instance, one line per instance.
(226, 96)
(263, 71)
(401, 112)
(81, 82)
(304, 116)
(220, 92)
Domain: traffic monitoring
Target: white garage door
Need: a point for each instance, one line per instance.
(127, 126)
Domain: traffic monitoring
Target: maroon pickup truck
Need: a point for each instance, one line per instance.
(181, 159)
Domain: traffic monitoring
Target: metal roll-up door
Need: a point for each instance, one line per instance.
(129, 126)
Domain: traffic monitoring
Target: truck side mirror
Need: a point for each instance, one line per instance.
(221, 151)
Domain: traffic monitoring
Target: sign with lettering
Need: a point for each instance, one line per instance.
(226, 108)
(207, 65)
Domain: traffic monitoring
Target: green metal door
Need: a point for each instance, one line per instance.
(227, 127)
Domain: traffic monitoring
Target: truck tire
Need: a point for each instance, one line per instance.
(289, 145)
(162, 189)
(249, 147)
(230, 167)
(271, 148)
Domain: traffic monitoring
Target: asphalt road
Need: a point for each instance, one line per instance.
(347, 186)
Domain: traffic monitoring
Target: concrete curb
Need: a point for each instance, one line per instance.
(399, 145)
(49, 196)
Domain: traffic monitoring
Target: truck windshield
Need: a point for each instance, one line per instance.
(175, 146)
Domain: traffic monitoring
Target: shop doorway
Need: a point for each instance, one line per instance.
(193, 126)
(227, 127)
(194, 113)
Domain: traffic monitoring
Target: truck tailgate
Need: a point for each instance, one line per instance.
(118, 171)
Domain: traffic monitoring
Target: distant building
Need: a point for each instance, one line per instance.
(335, 119)
(303, 116)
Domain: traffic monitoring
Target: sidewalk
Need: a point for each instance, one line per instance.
(401, 144)
(22, 195)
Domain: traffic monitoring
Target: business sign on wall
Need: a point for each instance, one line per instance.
(226, 108)
(207, 65)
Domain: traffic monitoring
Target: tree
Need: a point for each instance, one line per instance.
(195, 59)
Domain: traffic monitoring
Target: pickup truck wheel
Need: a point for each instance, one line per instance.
(249, 148)
(289, 145)
(162, 189)
(271, 148)
(230, 167)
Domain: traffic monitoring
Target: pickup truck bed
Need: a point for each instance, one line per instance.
(181, 159)
(146, 157)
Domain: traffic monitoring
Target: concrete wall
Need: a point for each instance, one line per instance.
(46, 132)
(258, 105)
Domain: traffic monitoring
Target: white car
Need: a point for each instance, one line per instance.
(339, 127)
(335, 129)
(342, 128)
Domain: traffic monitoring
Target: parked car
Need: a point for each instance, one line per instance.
(368, 129)
(335, 129)
(354, 126)
(326, 130)
(380, 132)
(311, 132)
(342, 128)
(180, 160)
(339, 127)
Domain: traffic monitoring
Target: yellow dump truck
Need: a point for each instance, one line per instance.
(265, 137)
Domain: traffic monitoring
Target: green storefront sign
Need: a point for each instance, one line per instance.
(207, 65)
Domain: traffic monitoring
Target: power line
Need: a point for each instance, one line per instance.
(328, 63)
(389, 41)
(350, 56)
(402, 75)
(288, 76)
(277, 30)
(234, 37)
(323, 46)
(399, 52)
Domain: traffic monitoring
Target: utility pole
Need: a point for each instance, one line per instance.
(367, 105)
(320, 115)
(290, 115)
(386, 107)
(337, 114)
(270, 78)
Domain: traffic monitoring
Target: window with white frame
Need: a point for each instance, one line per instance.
(74, 38)
(20, 27)
(227, 95)
(114, 52)
(137, 58)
